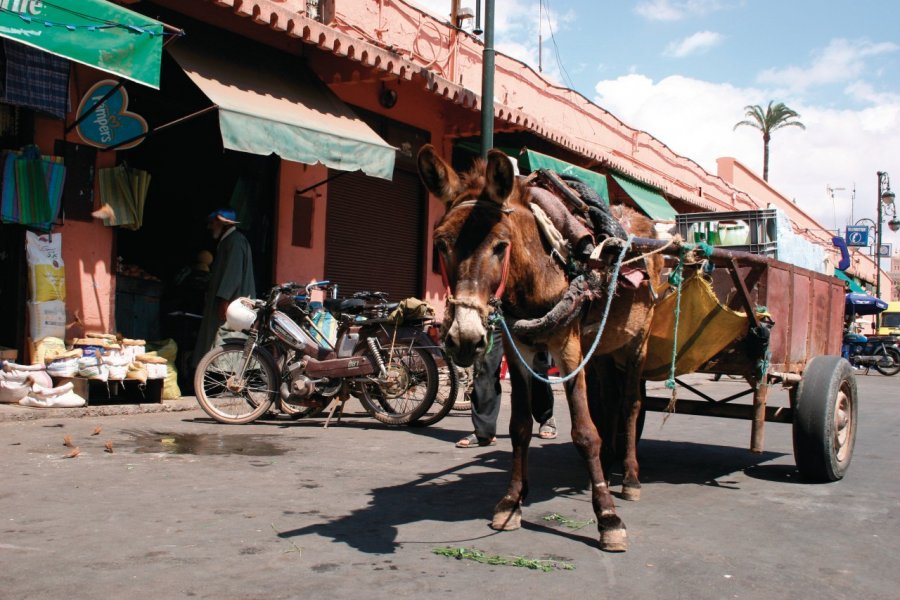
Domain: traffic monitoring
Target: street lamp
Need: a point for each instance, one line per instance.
(885, 207)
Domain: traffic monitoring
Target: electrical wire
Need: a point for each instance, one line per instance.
(559, 63)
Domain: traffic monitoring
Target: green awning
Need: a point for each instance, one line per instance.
(274, 104)
(91, 32)
(529, 161)
(854, 287)
(475, 148)
(650, 201)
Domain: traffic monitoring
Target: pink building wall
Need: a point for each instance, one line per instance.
(87, 248)
(526, 98)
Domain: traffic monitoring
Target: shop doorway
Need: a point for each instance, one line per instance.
(191, 175)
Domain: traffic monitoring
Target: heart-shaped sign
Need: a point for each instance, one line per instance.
(107, 121)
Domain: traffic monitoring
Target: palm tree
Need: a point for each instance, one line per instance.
(774, 117)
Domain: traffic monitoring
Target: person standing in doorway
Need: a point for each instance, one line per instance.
(231, 277)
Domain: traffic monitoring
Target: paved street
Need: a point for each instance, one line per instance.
(185, 507)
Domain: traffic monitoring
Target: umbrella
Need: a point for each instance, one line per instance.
(863, 304)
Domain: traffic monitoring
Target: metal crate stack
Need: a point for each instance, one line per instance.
(711, 227)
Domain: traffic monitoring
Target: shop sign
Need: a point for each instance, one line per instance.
(857, 235)
(109, 123)
(97, 33)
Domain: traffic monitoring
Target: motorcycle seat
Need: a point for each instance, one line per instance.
(351, 306)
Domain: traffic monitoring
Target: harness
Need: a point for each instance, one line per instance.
(504, 273)
(582, 287)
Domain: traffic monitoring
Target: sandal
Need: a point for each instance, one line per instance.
(547, 430)
(471, 440)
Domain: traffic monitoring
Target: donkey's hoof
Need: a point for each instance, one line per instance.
(614, 540)
(612, 534)
(631, 492)
(507, 520)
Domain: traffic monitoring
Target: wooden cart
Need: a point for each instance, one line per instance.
(804, 345)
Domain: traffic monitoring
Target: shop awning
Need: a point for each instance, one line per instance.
(273, 105)
(854, 287)
(96, 33)
(529, 161)
(650, 201)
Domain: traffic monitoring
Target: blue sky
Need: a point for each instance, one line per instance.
(683, 70)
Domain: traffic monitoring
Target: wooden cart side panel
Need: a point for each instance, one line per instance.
(803, 314)
(776, 294)
(837, 294)
(808, 310)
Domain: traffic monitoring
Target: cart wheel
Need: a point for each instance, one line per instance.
(825, 419)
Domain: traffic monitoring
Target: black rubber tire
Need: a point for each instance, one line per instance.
(405, 406)
(825, 418)
(222, 404)
(893, 353)
(445, 399)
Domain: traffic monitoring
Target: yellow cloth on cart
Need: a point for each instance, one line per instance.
(705, 328)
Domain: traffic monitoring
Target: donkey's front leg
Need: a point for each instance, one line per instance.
(587, 440)
(508, 512)
(633, 398)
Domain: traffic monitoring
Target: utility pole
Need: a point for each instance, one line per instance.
(487, 81)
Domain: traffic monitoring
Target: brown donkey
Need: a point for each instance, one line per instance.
(493, 252)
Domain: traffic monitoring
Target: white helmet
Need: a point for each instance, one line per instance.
(240, 314)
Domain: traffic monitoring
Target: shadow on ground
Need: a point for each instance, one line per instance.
(468, 491)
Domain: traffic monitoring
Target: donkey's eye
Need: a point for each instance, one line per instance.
(442, 246)
(499, 249)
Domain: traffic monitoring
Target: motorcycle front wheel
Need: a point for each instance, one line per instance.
(227, 398)
(407, 392)
(888, 353)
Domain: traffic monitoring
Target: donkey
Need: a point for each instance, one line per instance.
(492, 251)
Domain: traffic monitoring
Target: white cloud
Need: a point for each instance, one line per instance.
(841, 61)
(699, 42)
(839, 148)
(675, 10)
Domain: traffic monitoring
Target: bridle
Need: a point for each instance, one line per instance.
(504, 273)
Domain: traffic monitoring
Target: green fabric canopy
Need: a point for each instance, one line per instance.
(854, 287)
(650, 201)
(96, 33)
(276, 105)
(529, 161)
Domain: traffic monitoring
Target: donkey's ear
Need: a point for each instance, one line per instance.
(500, 176)
(439, 177)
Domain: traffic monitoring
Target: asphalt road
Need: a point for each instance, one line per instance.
(185, 507)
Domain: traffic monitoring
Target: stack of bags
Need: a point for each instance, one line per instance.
(96, 356)
(115, 359)
(31, 385)
(46, 285)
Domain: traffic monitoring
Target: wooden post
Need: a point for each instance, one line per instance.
(757, 429)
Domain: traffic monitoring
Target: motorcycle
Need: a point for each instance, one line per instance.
(286, 361)
(876, 351)
(865, 352)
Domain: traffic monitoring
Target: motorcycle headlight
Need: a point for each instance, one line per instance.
(240, 314)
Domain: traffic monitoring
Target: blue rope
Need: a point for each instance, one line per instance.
(614, 280)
